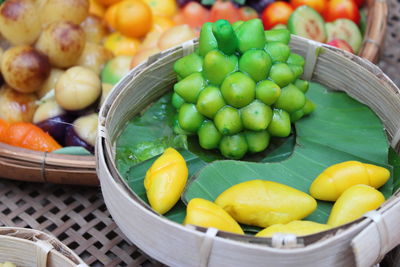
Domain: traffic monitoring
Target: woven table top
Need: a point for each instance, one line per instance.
(76, 215)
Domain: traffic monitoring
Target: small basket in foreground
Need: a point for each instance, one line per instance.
(32, 248)
(363, 242)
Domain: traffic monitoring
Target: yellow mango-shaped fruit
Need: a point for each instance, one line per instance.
(354, 203)
(205, 213)
(166, 180)
(298, 228)
(264, 203)
(334, 180)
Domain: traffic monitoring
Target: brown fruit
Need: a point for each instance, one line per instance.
(15, 106)
(63, 42)
(24, 68)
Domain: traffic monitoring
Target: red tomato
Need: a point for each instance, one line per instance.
(224, 9)
(194, 14)
(318, 5)
(276, 13)
(342, 9)
(247, 13)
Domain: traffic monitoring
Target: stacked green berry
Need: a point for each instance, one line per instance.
(240, 88)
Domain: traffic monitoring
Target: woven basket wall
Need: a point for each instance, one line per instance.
(360, 244)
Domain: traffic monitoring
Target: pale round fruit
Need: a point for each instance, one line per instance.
(93, 57)
(86, 128)
(19, 21)
(175, 36)
(47, 110)
(63, 10)
(63, 42)
(143, 55)
(77, 88)
(15, 106)
(24, 68)
(50, 83)
(95, 29)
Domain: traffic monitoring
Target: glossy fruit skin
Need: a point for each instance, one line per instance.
(190, 119)
(115, 69)
(298, 228)
(256, 63)
(318, 5)
(224, 10)
(256, 116)
(121, 45)
(264, 203)
(132, 18)
(345, 9)
(257, 141)
(290, 99)
(166, 8)
(335, 179)
(233, 146)
(278, 35)
(268, 92)
(353, 203)
(210, 101)
(238, 90)
(209, 136)
(166, 180)
(205, 213)
(276, 13)
(250, 35)
(280, 123)
(194, 14)
(228, 121)
(247, 13)
(190, 87)
(217, 66)
(342, 44)
(188, 65)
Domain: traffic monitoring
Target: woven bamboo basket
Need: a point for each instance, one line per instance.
(361, 243)
(31, 248)
(22, 164)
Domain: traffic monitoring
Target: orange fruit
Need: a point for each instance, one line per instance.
(162, 7)
(132, 18)
(110, 15)
(96, 9)
(108, 2)
(161, 23)
(121, 45)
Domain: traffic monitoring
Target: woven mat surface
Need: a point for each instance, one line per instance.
(77, 216)
(390, 52)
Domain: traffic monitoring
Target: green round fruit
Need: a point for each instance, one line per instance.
(280, 123)
(281, 74)
(296, 59)
(291, 99)
(228, 121)
(189, 118)
(256, 63)
(309, 107)
(279, 52)
(115, 69)
(209, 136)
(302, 85)
(177, 128)
(256, 116)
(210, 101)
(238, 89)
(268, 92)
(233, 146)
(297, 115)
(190, 87)
(217, 66)
(177, 101)
(257, 141)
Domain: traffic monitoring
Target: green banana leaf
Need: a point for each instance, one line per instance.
(340, 129)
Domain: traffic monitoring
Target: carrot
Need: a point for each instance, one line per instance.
(28, 135)
(3, 130)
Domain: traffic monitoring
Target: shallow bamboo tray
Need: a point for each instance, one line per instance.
(361, 243)
(32, 248)
(23, 164)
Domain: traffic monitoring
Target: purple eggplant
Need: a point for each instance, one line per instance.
(83, 132)
(259, 5)
(51, 118)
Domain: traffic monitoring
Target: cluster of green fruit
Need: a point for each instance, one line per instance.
(240, 88)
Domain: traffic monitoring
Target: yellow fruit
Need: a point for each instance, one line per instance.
(166, 180)
(161, 24)
(143, 55)
(264, 203)
(353, 203)
(205, 213)
(175, 36)
(334, 180)
(162, 7)
(120, 45)
(298, 228)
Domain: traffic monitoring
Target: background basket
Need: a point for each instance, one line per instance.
(32, 248)
(363, 242)
(23, 164)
